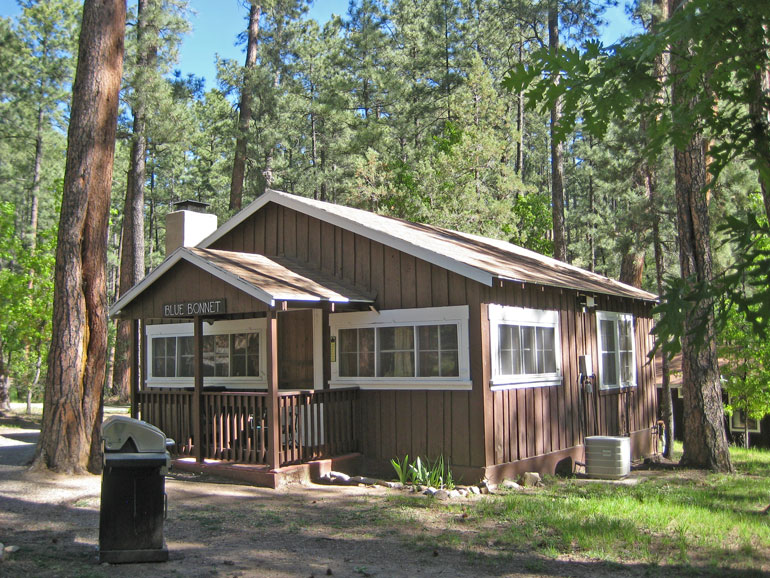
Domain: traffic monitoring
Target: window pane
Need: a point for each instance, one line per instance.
(450, 365)
(396, 351)
(626, 335)
(507, 352)
(397, 364)
(528, 350)
(186, 359)
(366, 352)
(609, 369)
(348, 340)
(348, 364)
(449, 337)
(427, 337)
(245, 355)
(216, 355)
(607, 329)
(429, 364)
(546, 354)
(626, 367)
(164, 357)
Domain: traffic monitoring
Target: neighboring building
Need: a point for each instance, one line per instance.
(356, 338)
(759, 431)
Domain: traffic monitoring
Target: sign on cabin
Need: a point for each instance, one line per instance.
(193, 308)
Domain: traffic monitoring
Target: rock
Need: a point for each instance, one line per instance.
(531, 479)
(363, 480)
(463, 492)
(339, 477)
(394, 485)
(11, 549)
(418, 488)
(474, 490)
(510, 485)
(487, 487)
(430, 491)
(454, 494)
(442, 495)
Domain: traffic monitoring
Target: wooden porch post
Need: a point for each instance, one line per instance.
(273, 426)
(198, 394)
(134, 383)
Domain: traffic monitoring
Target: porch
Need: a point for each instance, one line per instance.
(242, 427)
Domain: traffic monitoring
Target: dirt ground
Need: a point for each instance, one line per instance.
(218, 528)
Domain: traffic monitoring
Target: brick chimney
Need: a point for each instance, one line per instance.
(188, 225)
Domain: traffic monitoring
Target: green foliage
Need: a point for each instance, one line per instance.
(747, 374)
(403, 469)
(435, 474)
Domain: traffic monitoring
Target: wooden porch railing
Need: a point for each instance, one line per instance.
(312, 424)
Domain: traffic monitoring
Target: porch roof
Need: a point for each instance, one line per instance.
(269, 279)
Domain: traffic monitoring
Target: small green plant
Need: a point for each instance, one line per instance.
(436, 474)
(403, 469)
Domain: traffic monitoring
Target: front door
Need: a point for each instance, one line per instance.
(295, 349)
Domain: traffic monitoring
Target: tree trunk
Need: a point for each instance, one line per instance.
(69, 439)
(651, 184)
(557, 149)
(132, 240)
(705, 440)
(245, 111)
(632, 267)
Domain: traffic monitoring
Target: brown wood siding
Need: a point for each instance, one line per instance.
(528, 422)
(185, 282)
(471, 428)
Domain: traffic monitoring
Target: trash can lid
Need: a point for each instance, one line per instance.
(118, 429)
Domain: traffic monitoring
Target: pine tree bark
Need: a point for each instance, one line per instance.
(245, 110)
(557, 149)
(72, 415)
(705, 440)
(660, 14)
(132, 242)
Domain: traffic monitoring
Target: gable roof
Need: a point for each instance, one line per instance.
(479, 258)
(269, 279)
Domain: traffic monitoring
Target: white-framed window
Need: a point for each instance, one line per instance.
(617, 350)
(423, 348)
(525, 347)
(738, 421)
(233, 354)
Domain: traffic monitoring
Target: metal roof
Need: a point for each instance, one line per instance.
(479, 258)
(269, 279)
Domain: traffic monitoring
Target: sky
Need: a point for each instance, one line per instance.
(217, 23)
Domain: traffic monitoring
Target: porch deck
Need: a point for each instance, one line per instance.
(312, 425)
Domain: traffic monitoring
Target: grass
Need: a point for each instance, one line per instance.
(686, 518)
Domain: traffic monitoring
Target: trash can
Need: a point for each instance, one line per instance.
(133, 504)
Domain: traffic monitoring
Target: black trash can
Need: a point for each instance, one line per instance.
(133, 505)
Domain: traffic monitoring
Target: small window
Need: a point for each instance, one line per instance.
(617, 352)
(402, 348)
(525, 347)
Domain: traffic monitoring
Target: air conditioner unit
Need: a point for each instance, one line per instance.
(608, 457)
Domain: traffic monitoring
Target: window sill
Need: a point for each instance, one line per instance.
(464, 385)
(614, 390)
(502, 383)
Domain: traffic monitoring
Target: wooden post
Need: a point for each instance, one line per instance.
(273, 425)
(198, 395)
(134, 384)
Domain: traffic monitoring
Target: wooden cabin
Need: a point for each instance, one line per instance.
(303, 332)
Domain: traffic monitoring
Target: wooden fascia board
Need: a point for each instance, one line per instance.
(386, 239)
(139, 288)
(185, 254)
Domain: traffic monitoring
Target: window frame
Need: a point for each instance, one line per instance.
(737, 421)
(229, 327)
(615, 317)
(523, 317)
(457, 315)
